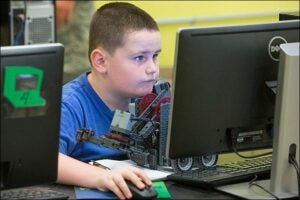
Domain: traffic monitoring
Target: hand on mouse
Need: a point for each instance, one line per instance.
(114, 180)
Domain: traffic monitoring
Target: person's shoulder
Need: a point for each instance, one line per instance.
(75, 87)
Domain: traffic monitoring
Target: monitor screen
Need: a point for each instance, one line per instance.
(223, 87)
(31, 82)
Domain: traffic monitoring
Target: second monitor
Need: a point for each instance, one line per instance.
(31, 82)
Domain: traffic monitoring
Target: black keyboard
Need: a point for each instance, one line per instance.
(235, 172)
(32, 193)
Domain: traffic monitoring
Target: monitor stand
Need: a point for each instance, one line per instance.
(247, 191)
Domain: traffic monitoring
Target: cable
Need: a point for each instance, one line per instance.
(253, 183)
(293, 161)
(295, 164)
(254, 156)
(20, 32)
(232, 133)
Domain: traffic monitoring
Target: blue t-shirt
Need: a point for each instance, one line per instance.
(83, 108)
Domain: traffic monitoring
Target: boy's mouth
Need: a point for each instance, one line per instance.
(151, 81)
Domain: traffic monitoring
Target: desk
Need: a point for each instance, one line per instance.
(177, 191)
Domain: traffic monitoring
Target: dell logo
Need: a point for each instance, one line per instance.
(274, 48)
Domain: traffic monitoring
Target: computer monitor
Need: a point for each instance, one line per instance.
(31, 83)
(223, 94)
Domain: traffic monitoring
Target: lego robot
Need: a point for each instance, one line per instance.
(142, 133)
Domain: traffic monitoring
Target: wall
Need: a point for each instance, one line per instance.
(171, 15)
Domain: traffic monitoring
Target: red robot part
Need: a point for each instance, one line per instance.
(116, 137)
(146, 101)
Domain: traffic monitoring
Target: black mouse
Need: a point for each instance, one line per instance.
(146, 193)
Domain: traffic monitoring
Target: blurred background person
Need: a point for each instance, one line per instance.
(72, 23)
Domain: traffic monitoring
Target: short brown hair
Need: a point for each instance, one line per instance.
(113, 20)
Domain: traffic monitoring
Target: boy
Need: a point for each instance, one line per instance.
(124, 43)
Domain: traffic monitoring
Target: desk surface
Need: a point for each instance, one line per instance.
(177, 191)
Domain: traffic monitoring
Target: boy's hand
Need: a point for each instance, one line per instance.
(114, 180)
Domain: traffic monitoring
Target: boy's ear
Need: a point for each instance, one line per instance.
(98, 60)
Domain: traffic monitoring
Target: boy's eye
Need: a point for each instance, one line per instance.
(139, 58)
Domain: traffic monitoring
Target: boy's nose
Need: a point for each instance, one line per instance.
(151, 67)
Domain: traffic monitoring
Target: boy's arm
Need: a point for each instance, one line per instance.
(75, 172)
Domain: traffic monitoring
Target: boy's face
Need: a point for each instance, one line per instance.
(133, 68)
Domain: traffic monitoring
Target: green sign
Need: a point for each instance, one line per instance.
(22, 85)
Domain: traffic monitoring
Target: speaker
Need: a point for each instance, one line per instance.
(32, 22)
(39, 23)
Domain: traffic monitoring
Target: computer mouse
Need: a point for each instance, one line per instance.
(147, 193)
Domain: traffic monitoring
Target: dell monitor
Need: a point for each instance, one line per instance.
(224, 86)
(31, 83)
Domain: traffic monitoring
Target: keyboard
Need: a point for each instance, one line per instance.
(32, 193)
(235, 172)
